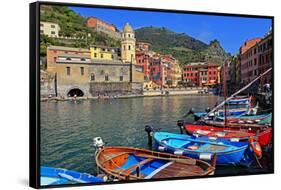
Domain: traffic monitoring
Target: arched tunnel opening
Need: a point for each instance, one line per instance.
(76, 92)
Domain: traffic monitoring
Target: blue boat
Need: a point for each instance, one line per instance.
(221, 113)
(56, 176)
(204, 148)
(238, 101)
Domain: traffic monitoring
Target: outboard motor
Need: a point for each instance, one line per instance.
(207, 110)
(191, 111)
(149, 129)
(180, 123)
(98, 143)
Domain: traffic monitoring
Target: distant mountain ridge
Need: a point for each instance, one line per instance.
(183, 47)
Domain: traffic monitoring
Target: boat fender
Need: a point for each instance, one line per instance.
(103, 177)
(205, 156)
(178, 152)
(234, 140)
(213, 138)
(161, 148)
(256, 147)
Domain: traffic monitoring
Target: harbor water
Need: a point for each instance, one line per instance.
(68, 127)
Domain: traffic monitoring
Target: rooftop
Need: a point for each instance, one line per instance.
(62, 48)
(74, 56)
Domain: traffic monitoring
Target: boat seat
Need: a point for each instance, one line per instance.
(132, 168)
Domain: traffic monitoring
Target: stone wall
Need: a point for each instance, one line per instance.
(110, 88)
(113, 71)
(47, 84)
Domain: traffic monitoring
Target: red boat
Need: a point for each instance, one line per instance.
(263, 137)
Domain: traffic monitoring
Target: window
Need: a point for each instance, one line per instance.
(112, 56)
(101, 55)
(95, 48)
(82, 70)
(68, 59)
(106, 78)
(102, 72)
(124, 47)
(129, 47)
(83, 59)
(53, 32)
(121, 78)
(41, 31)
(53, 26)
(41, 24)
(129, 35)
(95, 54)
(93, 77)
(68, 71)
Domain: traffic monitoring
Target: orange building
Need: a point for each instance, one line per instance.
(249, 60)
(102, 26)
(201, 74)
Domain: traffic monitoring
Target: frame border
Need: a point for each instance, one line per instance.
(34, 90)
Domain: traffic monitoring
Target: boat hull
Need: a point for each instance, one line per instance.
(124, 163)
(240, 154)
(56, 176)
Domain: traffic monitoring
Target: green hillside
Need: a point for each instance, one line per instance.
(183, 47)
(72, 25)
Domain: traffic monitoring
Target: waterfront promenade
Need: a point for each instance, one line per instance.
(145, 93)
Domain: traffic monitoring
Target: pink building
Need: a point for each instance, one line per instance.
(249, 60)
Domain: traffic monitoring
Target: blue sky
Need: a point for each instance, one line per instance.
(230, 31)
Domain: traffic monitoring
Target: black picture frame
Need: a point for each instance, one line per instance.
(34, 89)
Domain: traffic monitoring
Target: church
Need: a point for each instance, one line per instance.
(99, 70)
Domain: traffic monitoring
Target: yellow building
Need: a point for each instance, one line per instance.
(50, 29)
(176, 74)
(103, 52)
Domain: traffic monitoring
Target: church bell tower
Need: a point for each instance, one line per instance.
(128, 45)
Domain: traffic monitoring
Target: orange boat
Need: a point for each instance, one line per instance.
(124, 163)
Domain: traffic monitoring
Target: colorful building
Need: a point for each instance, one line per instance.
(104, 52)
(97, 70)
(99, 25)
(201, 74)
(265, 51)
(143, 58)
(50, 29)
(249, 60)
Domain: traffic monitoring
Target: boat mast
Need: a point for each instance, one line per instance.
(225, 94)
(239, 91)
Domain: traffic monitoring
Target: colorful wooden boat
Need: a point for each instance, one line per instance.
(124, 163)
(249, 119)
(238, 101)
(228, 153)
(223, 133)
(263, 133)
(56, 176)
(229, 112)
